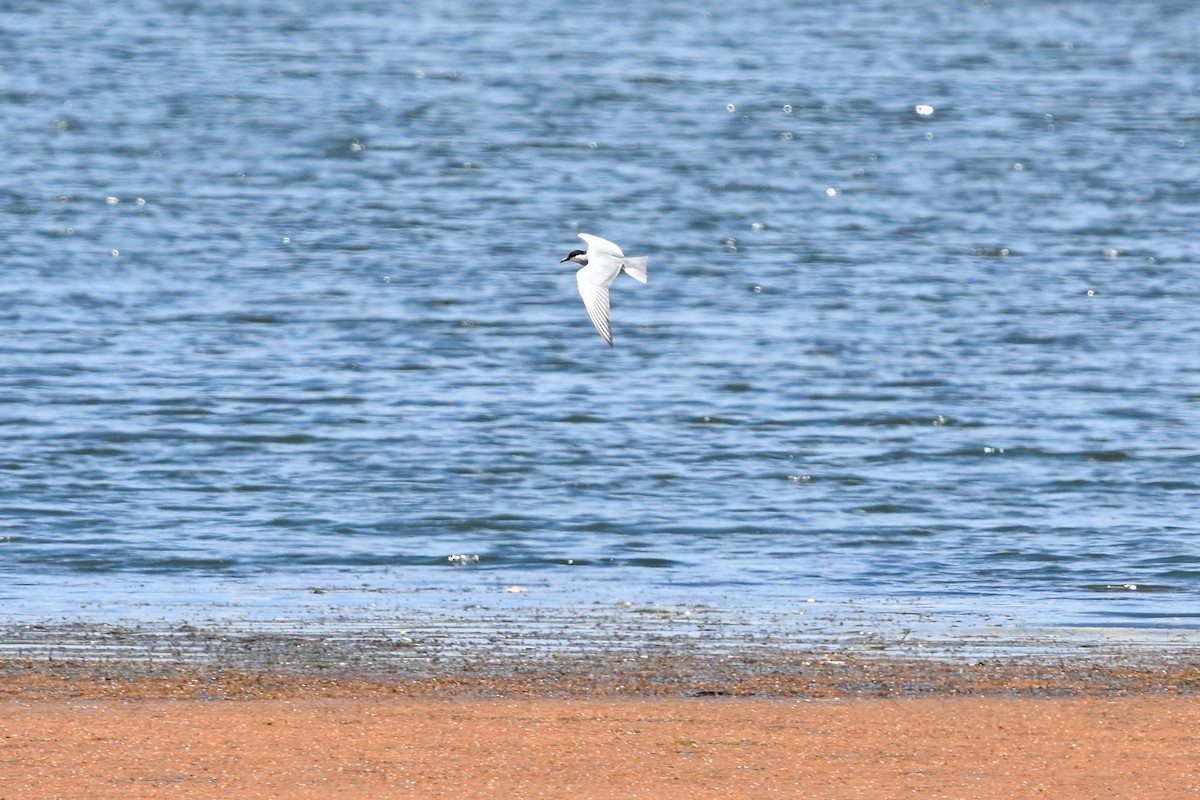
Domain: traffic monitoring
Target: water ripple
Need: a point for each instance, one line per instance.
(921, 318)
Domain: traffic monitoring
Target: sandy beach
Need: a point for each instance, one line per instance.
(874, 728)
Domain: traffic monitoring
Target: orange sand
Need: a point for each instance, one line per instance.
(100, 737)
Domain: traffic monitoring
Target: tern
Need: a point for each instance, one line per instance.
(602, 262)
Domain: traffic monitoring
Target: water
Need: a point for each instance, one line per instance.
(282, 314)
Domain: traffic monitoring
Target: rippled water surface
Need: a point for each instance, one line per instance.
(281, 308)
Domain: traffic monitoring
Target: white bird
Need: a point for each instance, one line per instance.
(602, 262)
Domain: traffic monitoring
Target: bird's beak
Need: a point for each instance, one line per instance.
(564, 260)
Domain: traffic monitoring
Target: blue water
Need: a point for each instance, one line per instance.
(281, 308)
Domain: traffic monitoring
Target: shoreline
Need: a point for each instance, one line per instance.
(639, 654)
(107, 713)
(768, 680)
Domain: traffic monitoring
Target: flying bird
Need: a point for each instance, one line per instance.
(601, 263)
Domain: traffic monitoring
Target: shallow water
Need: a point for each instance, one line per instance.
(281, 307)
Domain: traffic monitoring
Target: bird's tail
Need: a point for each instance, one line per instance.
(636, 267)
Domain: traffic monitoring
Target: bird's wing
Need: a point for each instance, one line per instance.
(598, 246)
(594, 280)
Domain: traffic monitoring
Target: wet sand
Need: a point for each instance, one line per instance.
(604, 726)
